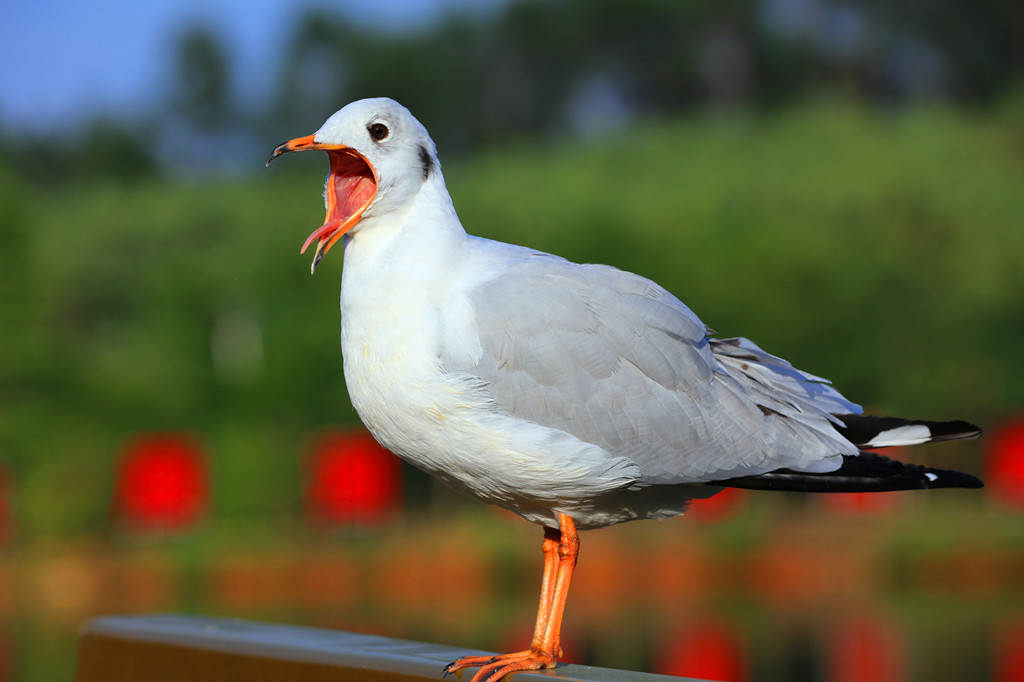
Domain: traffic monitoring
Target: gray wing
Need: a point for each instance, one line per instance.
(615, 360)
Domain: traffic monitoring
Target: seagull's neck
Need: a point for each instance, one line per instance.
(427, 222)
(398, 269)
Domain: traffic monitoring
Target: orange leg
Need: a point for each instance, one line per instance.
(552, 537)
(561, 548)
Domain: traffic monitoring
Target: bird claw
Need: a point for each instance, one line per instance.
(466, 662)
(494, 668)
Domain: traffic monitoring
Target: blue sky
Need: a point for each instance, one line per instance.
(63, 61)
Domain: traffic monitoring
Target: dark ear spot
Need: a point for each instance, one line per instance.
(426, 162)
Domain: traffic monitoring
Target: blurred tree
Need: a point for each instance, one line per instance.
(203, 130)
(103, 149)
(17, 335)
(201, 94)
(980, 44)
(316, 71)
(535, 67)
(111, 150)
(546, 67)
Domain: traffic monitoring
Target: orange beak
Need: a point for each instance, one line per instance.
(350, 189)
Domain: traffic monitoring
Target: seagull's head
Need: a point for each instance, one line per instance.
(380, 155)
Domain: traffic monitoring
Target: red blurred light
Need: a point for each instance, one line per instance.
(1005, 464)
(866, 649)
(162, 483)
(861, 504)
(6, 510)
(1009, 654)
(719, 507)
(706, 651)
(352, 479)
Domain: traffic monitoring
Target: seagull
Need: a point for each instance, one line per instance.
(576, 396)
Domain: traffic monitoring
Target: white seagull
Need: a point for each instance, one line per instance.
(577, 396)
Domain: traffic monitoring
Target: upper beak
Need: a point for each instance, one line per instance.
(299, 144)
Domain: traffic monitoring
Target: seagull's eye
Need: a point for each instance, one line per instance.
(378, 131)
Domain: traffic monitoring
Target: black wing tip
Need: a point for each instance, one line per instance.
(955, 430)
(875, 431)
(867, 472)
(968, 481)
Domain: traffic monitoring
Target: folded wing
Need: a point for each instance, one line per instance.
(615, 360)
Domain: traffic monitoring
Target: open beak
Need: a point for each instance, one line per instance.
(349, 191)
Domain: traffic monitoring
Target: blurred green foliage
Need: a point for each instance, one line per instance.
(882, 250)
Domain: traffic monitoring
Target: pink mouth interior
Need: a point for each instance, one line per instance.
(353, 185)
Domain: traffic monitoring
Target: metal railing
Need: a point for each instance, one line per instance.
(177, 648)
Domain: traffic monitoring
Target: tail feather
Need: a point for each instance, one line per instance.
(866, 472)
(870, 431)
